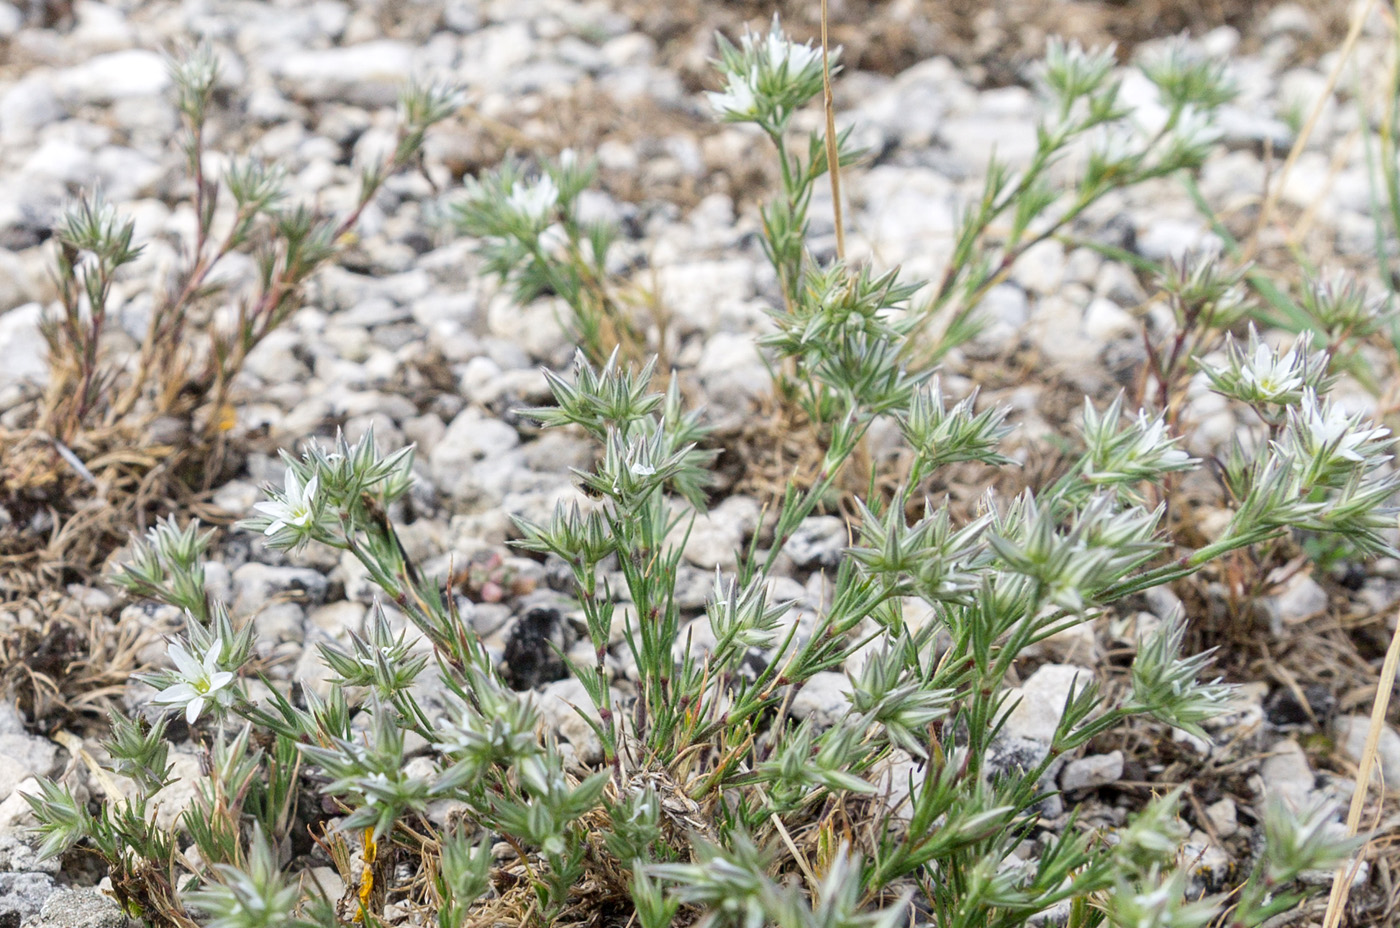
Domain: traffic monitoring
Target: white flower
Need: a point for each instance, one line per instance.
(1155, 446)
(534, 201)
(296, 509)
(738, 101)
(199, 682)
(554, 241)
(1114, 149)
(1272, 376)
(1194, 128)
(782, 51)
(1330, 427)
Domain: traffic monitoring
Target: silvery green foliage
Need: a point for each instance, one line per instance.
(532, 236)
(257, 895)
(703, 771)
(286, 243)
(1341, 307)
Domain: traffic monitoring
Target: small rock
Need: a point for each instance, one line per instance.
(1041, 269)
(1076, 644)
(818, 542)
(80, 907)
(319, 880)
(1284, 710)
(823, 699)
(1299, 601)
(733, 373)
(1104, 321)
(470, 438)
(1007, 304)
(1162, 602)
(1207, 862)
(114, 76)
(1092, 771)
(29, 104)
(1352, 731)
(169, 804)
(1359, 869)
(22, 895)
(11, 20)
(23, 350)
(21, 757)
(560, 703)
(18, 854)
(279, 622)
(913, 215)
(1287, 19)
(1222, 815)
(703, 294)
(1165, 237)
(336, 619)
(1012, 756)
(1042, 701)
(716, 536)
(256, 584)
(1286, 774)
(368, 74)
(15, 810)
(896, 778)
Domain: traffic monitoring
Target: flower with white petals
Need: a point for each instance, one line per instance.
(201, 682)
(298, 508)
(1330, 428)
(1196, 129)
(767, 78)
(1263, 377)
(1154, 445)
(1141, 451)
(1272, 376)
(785, 53)
(534, 201)
(738, 102)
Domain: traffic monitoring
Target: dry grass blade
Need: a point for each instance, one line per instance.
(833, 159)
(1341, 884)
(1343, 56)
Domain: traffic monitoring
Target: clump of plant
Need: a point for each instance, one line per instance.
(141, 427)
(707, 800)
(533, 237)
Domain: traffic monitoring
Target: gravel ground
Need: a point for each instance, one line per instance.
(408, 337)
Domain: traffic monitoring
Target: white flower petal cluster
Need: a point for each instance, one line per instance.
(1262, 376)
(201, 682)
(738, 101)
(1272, 376)
(1329, 428)
(782, 52)
(766, 78)
(534, 200)
(1155, 447)
(298, 507)
(1141, 451)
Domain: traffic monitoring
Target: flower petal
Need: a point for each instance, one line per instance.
(189, 668)
(176, 695)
